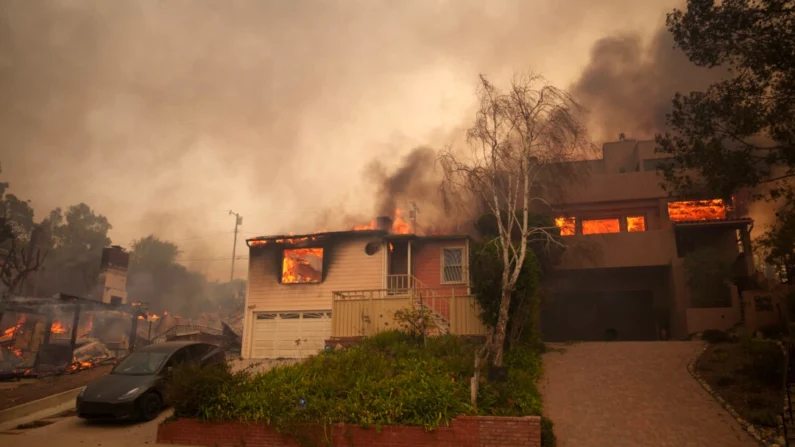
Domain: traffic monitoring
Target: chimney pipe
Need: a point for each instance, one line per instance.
(383, 223)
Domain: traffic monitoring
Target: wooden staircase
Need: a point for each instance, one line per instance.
(423, 296)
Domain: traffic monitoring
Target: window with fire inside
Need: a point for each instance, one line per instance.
(302, 266)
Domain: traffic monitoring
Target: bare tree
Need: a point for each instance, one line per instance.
(519, 140)
(19, 263)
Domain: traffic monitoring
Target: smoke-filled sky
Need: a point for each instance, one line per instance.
(165, 115)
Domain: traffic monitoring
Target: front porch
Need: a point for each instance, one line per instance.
(361, 313)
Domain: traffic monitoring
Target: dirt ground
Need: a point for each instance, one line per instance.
(28, 390)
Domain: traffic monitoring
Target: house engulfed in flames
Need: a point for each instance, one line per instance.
(623, 272)
(306, 292)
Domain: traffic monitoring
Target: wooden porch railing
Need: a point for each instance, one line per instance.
(366, 312)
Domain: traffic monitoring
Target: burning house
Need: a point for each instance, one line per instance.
(623, 271)
(307, 291)
(61, 334)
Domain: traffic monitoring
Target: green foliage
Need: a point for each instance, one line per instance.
(772, 331)
(715, 336)
(519, 395)
(778, 243)
(548, 438)
(717, 133)
(725, 380)
(763, 417)
(486, 267)
(388, 379)
(765, 362)
(708, 278)
(415, 321)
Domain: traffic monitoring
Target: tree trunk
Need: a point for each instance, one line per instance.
(502, 324)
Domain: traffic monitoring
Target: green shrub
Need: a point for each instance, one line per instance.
(388, 379)
(765, 418)
(724, 380)
(715, 336)
(195, 389)
(547, 434)
(719, 355)
(765, 362)
(759, 401)
(772, 331)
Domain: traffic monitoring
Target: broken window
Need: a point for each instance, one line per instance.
(636, 223)
(697, 210)
(566, 225)
(302, 265)
(600, 226)
(452, 265)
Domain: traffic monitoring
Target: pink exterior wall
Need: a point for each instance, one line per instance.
(720, 318)
(427, 268)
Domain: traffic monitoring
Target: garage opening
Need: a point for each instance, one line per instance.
(290, 334)
(597, 316)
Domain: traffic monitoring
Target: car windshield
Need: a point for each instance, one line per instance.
(141, 363)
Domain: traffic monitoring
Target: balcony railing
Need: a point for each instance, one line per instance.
(366, 312)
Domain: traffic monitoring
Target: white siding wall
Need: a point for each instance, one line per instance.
(350, 269)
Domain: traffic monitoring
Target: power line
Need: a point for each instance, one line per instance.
(212, 259)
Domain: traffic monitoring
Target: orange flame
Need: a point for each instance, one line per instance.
(57, 328)
(297, 267)
(399, 225)
(286, 240)
(600, 226)
(10, 332)
(636, 223)
(566, 225)
(696, 210)
(89, 326)
(370, 226)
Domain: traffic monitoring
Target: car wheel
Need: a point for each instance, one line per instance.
(150, 407)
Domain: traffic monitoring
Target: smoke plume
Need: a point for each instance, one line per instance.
(628, 85)
(163, 116)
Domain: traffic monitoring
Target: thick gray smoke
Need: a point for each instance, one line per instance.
(413, 180)
(628, 85)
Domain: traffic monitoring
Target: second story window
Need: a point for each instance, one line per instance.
(302, 265)
(566, 225)
(600, 226)
(452, 265)
(636, 223)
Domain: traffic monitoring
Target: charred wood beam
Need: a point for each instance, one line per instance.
(75, 322)
(133, 333)
(47, 329)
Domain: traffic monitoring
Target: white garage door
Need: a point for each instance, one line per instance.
(290, 334)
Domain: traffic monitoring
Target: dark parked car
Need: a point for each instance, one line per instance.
(135, 388)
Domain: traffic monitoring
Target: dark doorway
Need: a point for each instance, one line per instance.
(599, 316)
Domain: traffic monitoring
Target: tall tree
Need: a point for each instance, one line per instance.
(76, 239)
(740, 132)
(20, 254)
(517, 135)
(157, 278)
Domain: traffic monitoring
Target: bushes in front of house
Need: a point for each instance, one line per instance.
(389, 379)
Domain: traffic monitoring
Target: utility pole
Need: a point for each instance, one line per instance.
(238, 222)
(413, 216)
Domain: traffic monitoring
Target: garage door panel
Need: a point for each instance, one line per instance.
(275, 333)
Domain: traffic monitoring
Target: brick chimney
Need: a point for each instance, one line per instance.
(383, 223)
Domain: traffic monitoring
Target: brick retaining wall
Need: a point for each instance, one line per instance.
(465, 431)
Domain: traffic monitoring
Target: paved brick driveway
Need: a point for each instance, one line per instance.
(624, 394)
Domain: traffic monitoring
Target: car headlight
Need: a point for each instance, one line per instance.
(129, 394)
